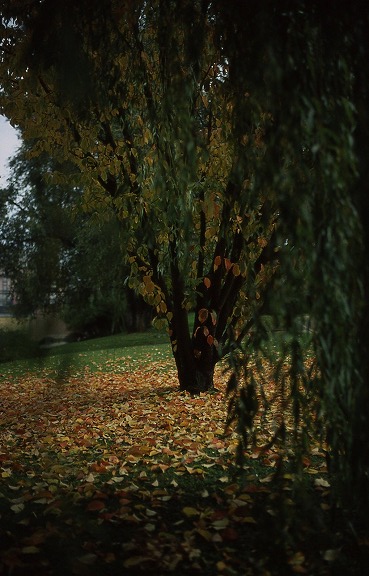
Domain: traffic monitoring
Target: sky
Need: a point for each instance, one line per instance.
(9, 143)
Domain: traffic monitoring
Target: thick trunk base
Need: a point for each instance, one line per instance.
(197, 382)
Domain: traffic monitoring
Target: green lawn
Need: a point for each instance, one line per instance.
(97, 354)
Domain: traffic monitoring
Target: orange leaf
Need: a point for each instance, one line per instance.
(207, 282)
(210, 340)
(203, 315)
(95, 505)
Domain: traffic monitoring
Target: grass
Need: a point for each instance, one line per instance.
(21, 355)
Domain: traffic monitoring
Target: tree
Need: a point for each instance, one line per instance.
(36, 234)
(138, 96)
(56, 260)
(313, 72)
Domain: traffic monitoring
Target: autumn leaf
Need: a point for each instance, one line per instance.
(203, 315)
(188, 511)
(96, 505)
(217, 262)
(236, 270)
(30, 550)
(135, 561)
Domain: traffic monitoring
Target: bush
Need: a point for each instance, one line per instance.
(15, 345)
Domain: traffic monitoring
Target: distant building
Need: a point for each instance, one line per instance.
(5, 295)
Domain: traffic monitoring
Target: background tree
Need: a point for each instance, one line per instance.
(57, 261)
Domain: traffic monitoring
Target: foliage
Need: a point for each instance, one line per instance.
(316, 164)
(15, 344)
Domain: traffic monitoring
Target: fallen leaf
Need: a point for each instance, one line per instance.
(331, 555)
(320, 482)
(188, 511)
(88, 559)
(30, 550)
(135, 561)
(96, 505)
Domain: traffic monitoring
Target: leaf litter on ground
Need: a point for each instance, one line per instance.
(114, 471)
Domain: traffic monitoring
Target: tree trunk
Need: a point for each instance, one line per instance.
(195, 357)
(195, 375)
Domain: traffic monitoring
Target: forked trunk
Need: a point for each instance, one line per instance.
(195, 375)
(195, 357)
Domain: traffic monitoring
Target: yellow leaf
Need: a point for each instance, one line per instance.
(249, 520)
(194, 470)
(205, 534)
(30, 550)
(220, 524)
(267, 479)
(188, 511)
(297, 559)
(236, 270)
(17, 507)
(88, 559)
(48, 439)
(321, 483)
(331, 555)
(135, 561)
(149, 284)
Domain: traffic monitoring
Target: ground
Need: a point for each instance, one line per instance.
(110, 469)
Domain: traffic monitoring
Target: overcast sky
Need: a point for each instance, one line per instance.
(9, 142)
